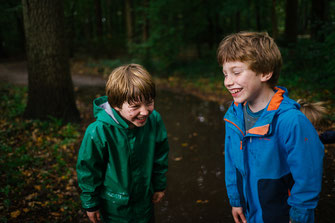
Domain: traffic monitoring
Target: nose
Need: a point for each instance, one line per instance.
(144, 110)
(228, 80)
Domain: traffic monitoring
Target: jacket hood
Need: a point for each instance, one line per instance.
(281, 102)
(278, 104)
(103, 112)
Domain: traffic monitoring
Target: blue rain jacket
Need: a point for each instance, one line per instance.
(274, 170)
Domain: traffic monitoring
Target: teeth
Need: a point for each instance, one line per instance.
(235, 91)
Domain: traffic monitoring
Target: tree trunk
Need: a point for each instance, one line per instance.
(237, 21)
(145, 27)
(129, 20)
(98, 17)
(319, 17)
(109, 17)
(50, 88)
(2, 50)
(291, 21)
(258, 18)
(274, 20)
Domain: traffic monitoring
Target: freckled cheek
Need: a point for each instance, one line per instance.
(131, 114)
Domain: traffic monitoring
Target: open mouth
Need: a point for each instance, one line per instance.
(141, 119)
(235, 91)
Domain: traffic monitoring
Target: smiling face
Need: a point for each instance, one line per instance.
(136, 113)
(245, 85)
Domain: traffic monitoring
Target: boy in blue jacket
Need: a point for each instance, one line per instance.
(123, 158)
(273, 155)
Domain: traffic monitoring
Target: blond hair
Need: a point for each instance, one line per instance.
(257, 49)
(315, 112)
(129, 83)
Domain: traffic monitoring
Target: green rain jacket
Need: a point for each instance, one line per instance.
(119, 168)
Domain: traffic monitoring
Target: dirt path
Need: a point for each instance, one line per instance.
(16, 73)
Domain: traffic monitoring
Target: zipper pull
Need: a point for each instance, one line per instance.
(250, 139)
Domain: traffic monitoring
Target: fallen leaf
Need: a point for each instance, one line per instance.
(184, 144)
(15, 214)
(25, 210)
(38, 187)
(31, 196)
(55, 214)
(202, 201)
(178, 158)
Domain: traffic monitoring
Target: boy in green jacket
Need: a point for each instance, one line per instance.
(123, 157)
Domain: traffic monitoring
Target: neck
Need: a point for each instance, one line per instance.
(262, 100)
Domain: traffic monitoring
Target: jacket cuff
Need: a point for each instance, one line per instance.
(92, 209)
(159, 184)
(235, 202)
(89, 201)
(302, 215)
(159, 190)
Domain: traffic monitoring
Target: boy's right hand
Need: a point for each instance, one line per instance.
(238, 215)
(94, 216)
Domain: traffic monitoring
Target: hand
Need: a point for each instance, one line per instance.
(94, 216)
(157, 197)
(238, 215)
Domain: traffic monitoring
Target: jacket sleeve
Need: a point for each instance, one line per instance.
(327, 137)
(305, 159)
(230, 173)
(160, 166)
(90, 170)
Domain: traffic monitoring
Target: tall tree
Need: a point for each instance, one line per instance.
(145, 26)
(274, 20)
(319, 17)
(291, 20)
(129, 20)
(98, 17)
(50, 88)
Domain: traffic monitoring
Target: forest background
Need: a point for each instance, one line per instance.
(176, 41)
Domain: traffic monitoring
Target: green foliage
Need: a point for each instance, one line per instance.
(309, 68)
(36, 164)
(11, 28)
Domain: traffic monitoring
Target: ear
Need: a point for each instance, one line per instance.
(266, 76)
(117, 108)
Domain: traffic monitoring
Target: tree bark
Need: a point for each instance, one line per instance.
(98, 17)
(319, 17)
(291, 21)
(145, 27)
(238, 21)
(274, 20)
(258, 18)
(50, 87)
(129, 20)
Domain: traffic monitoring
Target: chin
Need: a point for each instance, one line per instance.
(140, 124)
